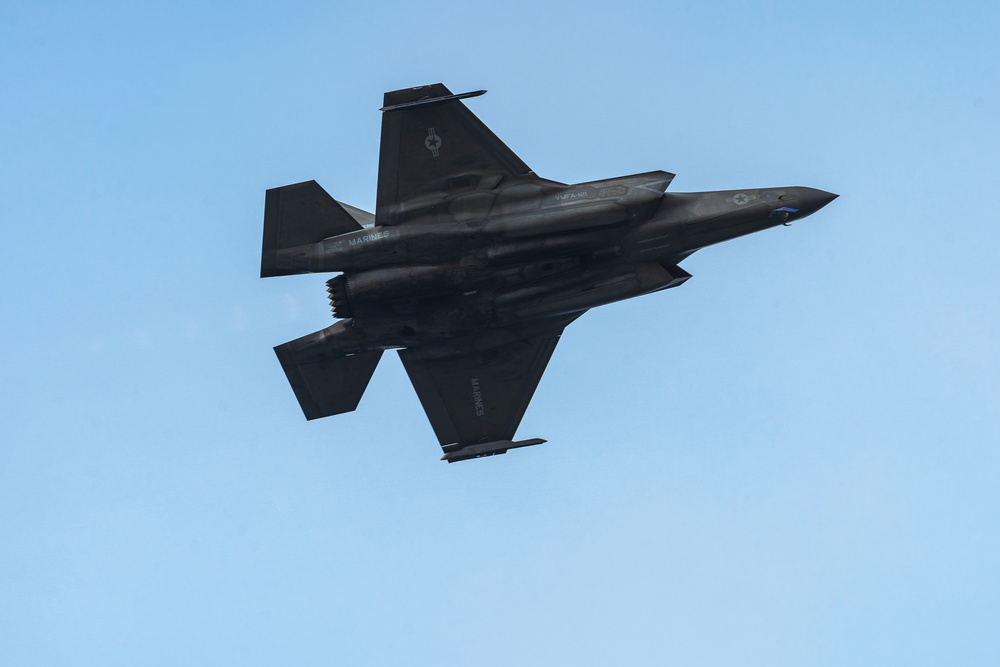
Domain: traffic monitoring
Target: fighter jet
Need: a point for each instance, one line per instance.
(472, 265)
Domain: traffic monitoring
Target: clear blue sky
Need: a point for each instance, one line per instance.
(791, 460)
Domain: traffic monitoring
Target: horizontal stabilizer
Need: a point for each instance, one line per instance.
(363, 217)
(485, 449)
(297, 215)
(326, 386)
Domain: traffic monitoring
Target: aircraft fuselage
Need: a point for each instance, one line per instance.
(472, 265)
(470, 261)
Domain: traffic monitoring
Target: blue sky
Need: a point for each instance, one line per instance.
(791, 460)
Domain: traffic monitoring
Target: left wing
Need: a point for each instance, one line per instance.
(429, 136)
(475, 400)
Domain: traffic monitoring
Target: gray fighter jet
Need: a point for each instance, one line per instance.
(472, 265)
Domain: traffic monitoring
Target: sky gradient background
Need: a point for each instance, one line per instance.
(793, 459)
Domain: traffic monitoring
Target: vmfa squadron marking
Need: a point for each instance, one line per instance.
(572, 195)
(472, 266)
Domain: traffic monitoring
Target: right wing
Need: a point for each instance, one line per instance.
(475, 400)
(428, 135)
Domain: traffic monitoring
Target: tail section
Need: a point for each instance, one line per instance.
(326, 381)
(301, 214)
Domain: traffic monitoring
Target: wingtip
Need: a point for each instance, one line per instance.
(427, 101)
(483, 449)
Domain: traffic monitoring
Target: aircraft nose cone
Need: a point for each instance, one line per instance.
(799, 202)
(812, 200)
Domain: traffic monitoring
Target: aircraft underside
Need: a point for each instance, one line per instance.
(472, 266)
